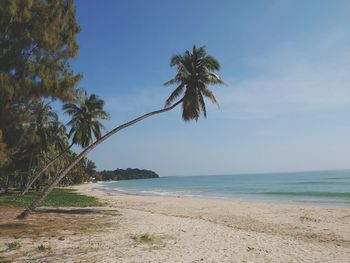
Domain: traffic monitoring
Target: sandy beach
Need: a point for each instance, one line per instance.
(173, 229)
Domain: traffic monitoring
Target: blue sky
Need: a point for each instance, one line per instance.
(285, 105)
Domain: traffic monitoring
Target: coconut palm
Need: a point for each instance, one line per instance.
(85, 116)
(195, 72)
(45, 125)
(85, 126)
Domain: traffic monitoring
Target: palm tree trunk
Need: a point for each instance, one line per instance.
(43, 170)
(65, 171)
(7, 185)
(22, 182)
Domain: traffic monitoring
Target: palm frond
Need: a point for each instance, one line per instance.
(214, 79)
(176, 60)
(176, 93)
(209, 94)
(171, 81)
(195, 72)
(211, 63)
(202, 104)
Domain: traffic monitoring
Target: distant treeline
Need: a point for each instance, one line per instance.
(124, 174)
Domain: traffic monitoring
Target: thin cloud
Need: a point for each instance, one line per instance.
(312, 79)
(313, 76)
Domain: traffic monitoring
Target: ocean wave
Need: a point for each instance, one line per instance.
(312, 194)
(336, 178)
(319, 182)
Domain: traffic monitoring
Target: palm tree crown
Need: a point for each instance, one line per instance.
(195, 72)
(85, 123)
(45, 123)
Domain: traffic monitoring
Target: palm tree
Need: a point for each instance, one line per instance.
(58, 141)
(43, 124)
(84, 123)
(195, 72)
(85, 118)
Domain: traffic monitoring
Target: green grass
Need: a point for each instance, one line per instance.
(57, 198)
(13, 245)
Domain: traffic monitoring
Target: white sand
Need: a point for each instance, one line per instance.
(201, 230)
(229, 231)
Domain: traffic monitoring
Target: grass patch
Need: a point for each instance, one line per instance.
(155, 240)
(13, 245)
(306, 218)
(42, 248)
(57, 198)
(4, 260)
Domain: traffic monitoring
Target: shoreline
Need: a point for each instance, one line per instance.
(321, 204)
(107, 194)
(134, 228)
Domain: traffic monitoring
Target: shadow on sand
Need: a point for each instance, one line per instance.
(77, 211)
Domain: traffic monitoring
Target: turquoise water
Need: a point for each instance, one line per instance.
(321, 187)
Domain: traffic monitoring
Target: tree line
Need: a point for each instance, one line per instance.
(36, 45)
(124, 174)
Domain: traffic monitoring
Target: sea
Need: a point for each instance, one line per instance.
(324, 188)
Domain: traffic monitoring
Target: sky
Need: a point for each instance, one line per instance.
(285, 105)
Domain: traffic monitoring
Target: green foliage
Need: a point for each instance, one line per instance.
(40, 130)
(3, 153)
(48, 144)
(85, 115)
(37, 42)
(127, 174)
(195, 72)
(57, 198)
(79, 174)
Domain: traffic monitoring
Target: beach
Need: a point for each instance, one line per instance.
(174, 131)
(134, 228)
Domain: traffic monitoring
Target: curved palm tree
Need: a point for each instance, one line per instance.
(195, 72)
(84, 123)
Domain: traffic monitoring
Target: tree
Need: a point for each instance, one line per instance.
(195, 72)
(91, 169)
(52, 136)
(85, 124)
(44, 125)
(37, 42)
(37, 135)
(85, 116)
(3, 155)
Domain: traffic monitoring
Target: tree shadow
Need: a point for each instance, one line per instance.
(78, 211)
